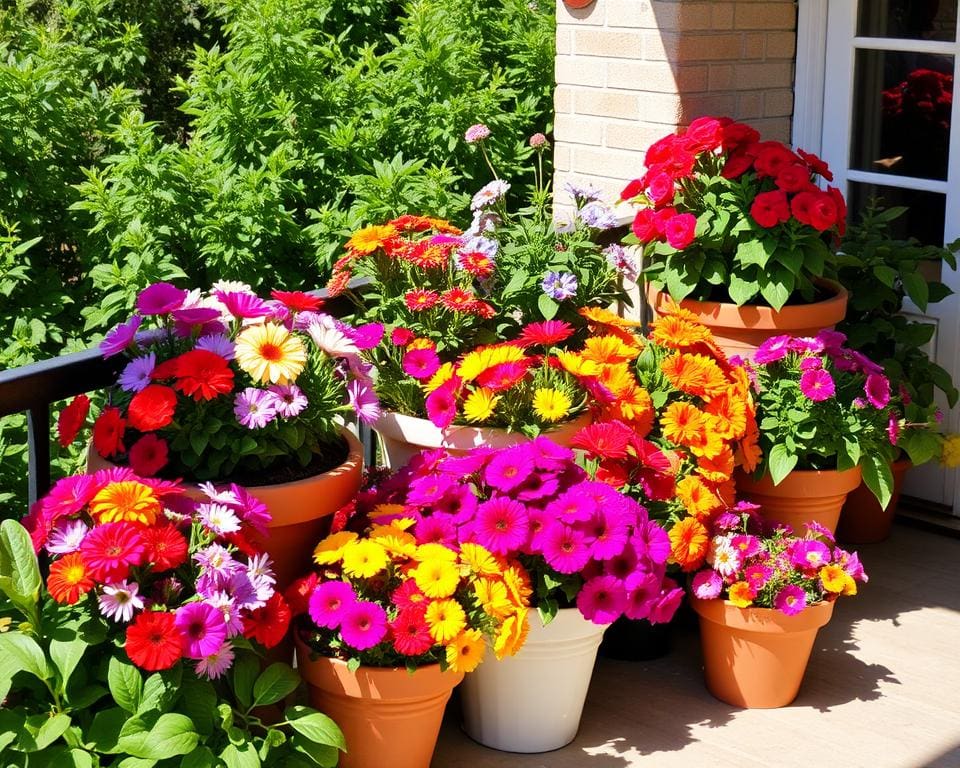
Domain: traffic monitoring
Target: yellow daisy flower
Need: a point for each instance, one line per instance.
(512, 634)
(436, 578)
(577, 364)
(270, 353)
(446, 620)
(551, 404)
(364, 558)
(127, 501)
(476, 362)
(434, 551)
(480, 560)
(493, 596)
(480, 404)
(466, 652)
(368, 239)
(330, 550)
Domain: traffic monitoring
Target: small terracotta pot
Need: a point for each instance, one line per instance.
(402, 436)
(740, 330)
(802, 496)
(863, 520)
(756, 657)
(388, 716)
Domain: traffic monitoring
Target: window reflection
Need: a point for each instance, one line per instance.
(924, 220)
(912, 19)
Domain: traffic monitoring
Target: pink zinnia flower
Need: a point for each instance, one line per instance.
(877, 390)
(202, 629)
(791, 600)
(707, 585)
(364, 625)
(289, 400)
(111, 550)
(442, 404)
(329, 603)
(773, 349)
(564, 548)
(817, 385)
(215, 664)
(421, 363)
(666, 603)
(509, 467)
(160, 299)
(501, 525)
(602, 599)
(243, 305)
(809, 554)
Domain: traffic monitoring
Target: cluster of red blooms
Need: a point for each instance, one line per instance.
(455, 300)
(784, 181)
(925, 94)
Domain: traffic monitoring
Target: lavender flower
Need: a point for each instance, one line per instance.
(136, 375)
(255, 408)
(121, 337)
(488, 194)
(582, 194)
(621, 260)
(477, 132)
(364, 401)
(559, 285)
(219, 344)
(231, 613)
(119, 601)
(213, 665)
(66, 537)
(598, 216)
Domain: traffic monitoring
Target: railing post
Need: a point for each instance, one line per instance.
(38, 443)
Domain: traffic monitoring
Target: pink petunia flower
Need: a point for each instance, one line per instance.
(441, 404)
(602, 599)
(665, 605)
(773, 349)
(877, 390)
(202, 629)
(817, 385)
(790, 600)
(243, 305)
(329, 603)
(160, 299)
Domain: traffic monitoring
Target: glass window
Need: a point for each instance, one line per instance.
(924, 220)
(901, 113)
(912, 19)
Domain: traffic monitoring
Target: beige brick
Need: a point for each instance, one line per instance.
(561, 157)
(778, 103)
(661, 46)
(721, 15)
(580, 70)
(710, 47)
(697, 105)
(781, 45)
(606, 163)
(659, 76)
(694, 16)
(592, 14)
(563, 99)
(607, 103)
(769, 74)
(766, 15)
(599, 42)
(721, 77)
(773, 128)
(574, 129)
(564, 41)
(749, 105)
(754, 45)
(632, 136)
(636, 14)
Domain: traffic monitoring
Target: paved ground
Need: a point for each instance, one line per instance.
(882, 689)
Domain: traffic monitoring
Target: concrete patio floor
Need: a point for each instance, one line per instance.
(882, 689)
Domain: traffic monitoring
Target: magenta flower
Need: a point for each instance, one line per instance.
(468, 464)
(655, 541)
(602, 599)
(666, 603)
(364, 625)
(426, 489)
(290, 400)
(564, 548)
(539, 485)
(574, 505)
(623, 564)
(329, 603)
(819, 530)
(811, 364)
(642, 592)
(864, 363)
(605, 532)
(809, 554)
(218, 343)
(442, 405)
(477, 132)
(501, 525)
(773, 349)
(160, 299)
(203, 320)
(437, 528)
(817, 385)
(746, 544)
(136, 375)
(250, 509)
(420, 363)
(831, 341)
(509, 467)
(877, 390)
(364, 401)
(550, 456)
(893, 429)
(254, 408)
(366, 336)
(806, 345)
(458, 502)
(243, 305)
(66, 537)
(121, 337)
(757, 576)
(202, 629)
(791, 600)
(707, 585)
(538, 521)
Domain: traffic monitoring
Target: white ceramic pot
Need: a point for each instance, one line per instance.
(532, 702)
(402, 437)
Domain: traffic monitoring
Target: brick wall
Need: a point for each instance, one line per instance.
(630, 71)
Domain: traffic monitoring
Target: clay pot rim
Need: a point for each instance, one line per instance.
(397, 426)
(765, 620)
(805, 483)
(830, 311)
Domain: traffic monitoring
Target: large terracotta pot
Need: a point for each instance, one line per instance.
(300, 511)
(740, 330)
(756, 657)
(532, 702)
(863, 520)
(802, 496)
(402, 436)
(388, 716)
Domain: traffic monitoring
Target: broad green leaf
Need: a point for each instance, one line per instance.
(160, 690)
(916, 287)
(316, 726)
(755, 251)
(40, 731)
(66, 655)
(173, 734)
(201, 757)
(136, 762)
(18, 562)
(921, 445)
(780, 463)
(740, 289)
(86, 696)
(321, 754)
(515, 283)
(547, 306)
(199, 703)
(275, 683)
(78, 758)
(878, 478)
(24, 653)
(776, 285)
(126, 684)
(886, 275)
(243, 756)
(11, 724)
(242, 677)
(104, 732)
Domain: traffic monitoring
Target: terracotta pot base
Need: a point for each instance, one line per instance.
(862, 520)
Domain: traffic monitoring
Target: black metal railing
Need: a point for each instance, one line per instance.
(32, 388)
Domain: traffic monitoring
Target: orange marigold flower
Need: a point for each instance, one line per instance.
(636, 407)
(719, 468)
(688, 543)
(368, 239)
(729, 414)
(609, 350)
(696, 497)
(617, 378)
(741, 594)
(338, 282)
(694, 374)
(706, 442)
(682, 423)
(748, 453)
(678, 332)
(600, 316)
(69, 579)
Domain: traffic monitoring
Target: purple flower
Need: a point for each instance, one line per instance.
(809, 554)
(773, 349)
(242, 304)
(231, 612)
(642, 590)
(215, 664)
(582, 194)
(204, 319)
(121, 337)
(250, 509)
(877, 390)
(598, 216)
(864, 363)
(216, 560)
(707, 585)
(202, 629)
(66, 537)
(160, 299)
(618, 258)
(219, 344)
(136, 375)
(791, 600)
(477, 132)
(255, 408)
(364, 401)
(489, 193)
(290, 400)
(366, 336)
(559, 285)
(817, 385)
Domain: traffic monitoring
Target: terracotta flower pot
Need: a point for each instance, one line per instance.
(863, 520)
(389, 716)
(740, 330)
(300, 511)
(756, 657)
(402, 436)
(532, 702)
(802, 496)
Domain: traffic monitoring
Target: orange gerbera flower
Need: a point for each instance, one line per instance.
(729, 415)
(600, 316)
(609, 350)
(682, 423)
(575, 363)
(694, 374)
(678, 332)
(69, 579)
(617, 378)
(697, 497)
(126, 500)
(636, 407)
(748, 453)
(719, 468)
(706, 442)
(368, 239)
(688, 543)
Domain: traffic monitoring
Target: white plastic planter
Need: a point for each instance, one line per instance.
(532, 702)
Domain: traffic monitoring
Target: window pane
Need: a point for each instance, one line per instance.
(924, 220)
(914, 19)
(901, 113)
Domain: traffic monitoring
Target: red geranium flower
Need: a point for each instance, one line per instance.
(410, 633)
(108, 432)
(203, 375)
(680, 230)
(643, 226)
(298, 594)
(166, 547)
(794, 178)
(772, 157)
(153, 642)
(817, 165)
(632, 189)
(152, 408)
(148, 455)
(770, 208)
(297, 301)
(823, 211)
(268, 625)
(72, 418)
(738, 163)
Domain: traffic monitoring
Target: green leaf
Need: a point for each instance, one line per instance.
(275, 683)
(547, 306)
(24, 653)
(740, 289)
(916, 288)
(126, 684)
(515, 283)
(242, 756)
(242, 677)
(780, 463)
(160, 690)
(40, 731)
(19, 571)
(321, 754)
(66, 655)
(105, 729)
(921, 445)
(755, 251)
(78, 758)
(886, 275)
(198, 441)
(136, 762)
(201, 757)
(199, 703)
(316, 726)
(776, 285)
(878, 478)
(172, 734)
